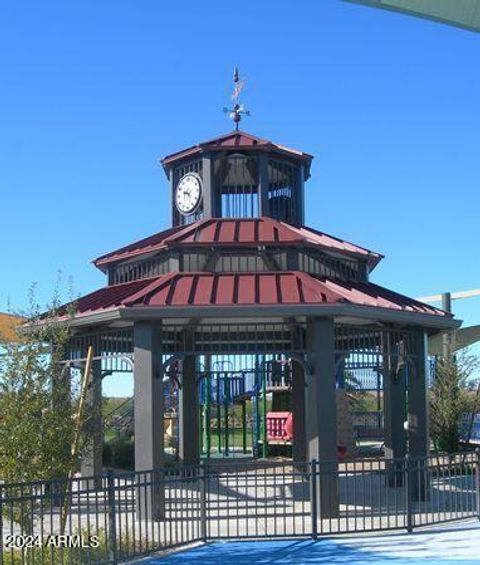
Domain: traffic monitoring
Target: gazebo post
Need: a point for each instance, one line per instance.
(91, 462)
(299, 449)
(395, 410)
(321, 412)
(418, 436)
(188, 414)
(149, 449)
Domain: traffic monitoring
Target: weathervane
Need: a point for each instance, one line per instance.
(238, 109)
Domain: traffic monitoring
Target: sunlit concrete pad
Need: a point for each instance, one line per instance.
(452, 545)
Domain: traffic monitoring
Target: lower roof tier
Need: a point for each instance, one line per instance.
(189, 293)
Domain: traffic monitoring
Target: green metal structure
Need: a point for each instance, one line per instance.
(460, 13)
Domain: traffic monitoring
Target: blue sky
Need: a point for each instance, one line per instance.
(93, 93)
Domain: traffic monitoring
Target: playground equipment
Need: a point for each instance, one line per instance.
(245, 405)
(120, 420)
(234, 404)
(238, 406)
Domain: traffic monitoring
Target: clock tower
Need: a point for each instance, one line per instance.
(237, 175)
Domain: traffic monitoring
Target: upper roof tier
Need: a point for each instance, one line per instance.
(236, 140)
(245, 232)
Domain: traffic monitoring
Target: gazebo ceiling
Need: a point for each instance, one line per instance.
(245, 232)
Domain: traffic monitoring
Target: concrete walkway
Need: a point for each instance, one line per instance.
(449, 545)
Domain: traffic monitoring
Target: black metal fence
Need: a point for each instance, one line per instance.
(121, 516)
(368, 424)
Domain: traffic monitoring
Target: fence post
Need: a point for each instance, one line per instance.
(112, 523)
(477, 481)
(203, 501)
(313, 498)
(408, 493)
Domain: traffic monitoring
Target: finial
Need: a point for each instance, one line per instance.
(238, 109)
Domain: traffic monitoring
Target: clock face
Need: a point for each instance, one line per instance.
(188, 193)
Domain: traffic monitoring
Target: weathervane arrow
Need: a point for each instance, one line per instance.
(238, 109)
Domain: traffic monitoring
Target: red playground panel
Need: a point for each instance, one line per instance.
(280, 429)
(277, 426)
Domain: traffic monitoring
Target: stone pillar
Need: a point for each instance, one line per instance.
(91, 462)
(299, 450)
(188, 414)
(418, 436)
(149, 449)
(395, 410)
(321, 412)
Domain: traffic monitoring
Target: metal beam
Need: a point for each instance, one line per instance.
(453, 295)
(340, 310)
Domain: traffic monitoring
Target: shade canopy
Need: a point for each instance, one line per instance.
(460, 13)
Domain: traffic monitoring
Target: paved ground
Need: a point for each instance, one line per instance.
(449, 545)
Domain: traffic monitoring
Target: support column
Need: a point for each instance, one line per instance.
(209, 204)
(91, 462)
(175, 212)
(61, 401)
(447, 335)
(61, 384)
(149, 449)
(321, 412)
(299, 197)
(263, 185)
(299, 450)
(188, 414)
(418, 436)
(395, 411)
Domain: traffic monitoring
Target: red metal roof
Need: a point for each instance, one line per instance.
(235, 140)
(246, 289)
(238, 232)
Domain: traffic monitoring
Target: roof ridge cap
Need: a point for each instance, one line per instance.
(310, 279)
(185, 230)
(144, 292)
(341, 240)
(122, 250)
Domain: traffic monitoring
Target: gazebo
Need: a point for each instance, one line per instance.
(239, 279)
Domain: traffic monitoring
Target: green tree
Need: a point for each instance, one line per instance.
(450, 399)
(36, 401)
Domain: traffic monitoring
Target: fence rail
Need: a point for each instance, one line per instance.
(120, 516)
